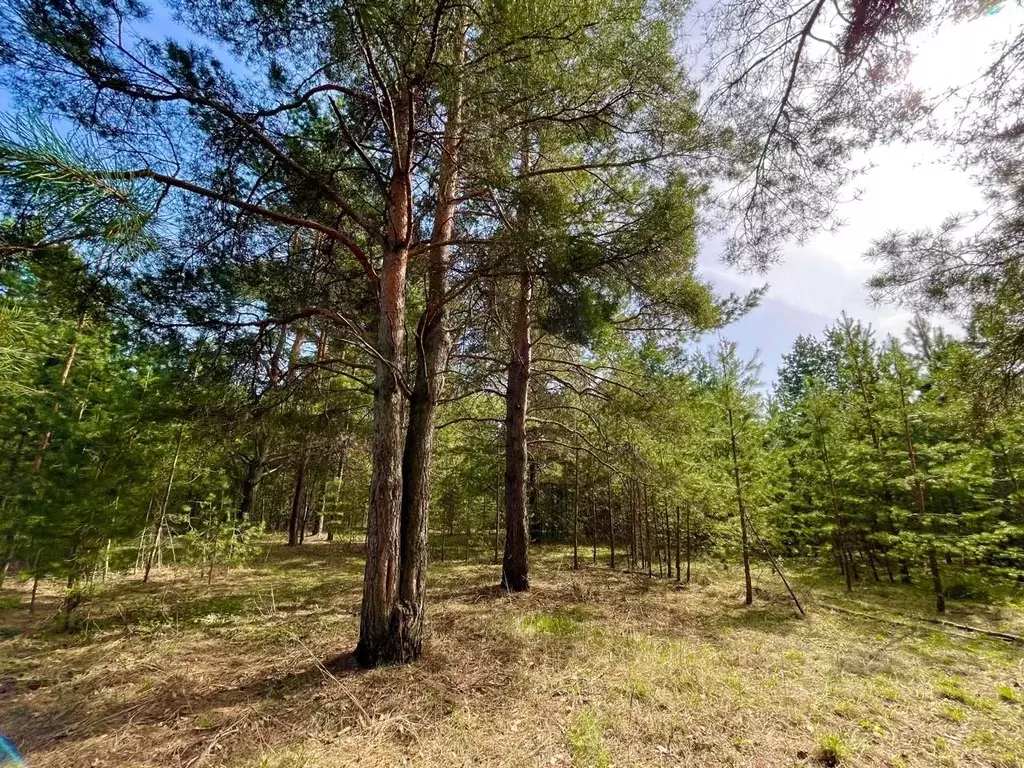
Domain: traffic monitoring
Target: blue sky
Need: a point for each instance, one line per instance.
(908, 187)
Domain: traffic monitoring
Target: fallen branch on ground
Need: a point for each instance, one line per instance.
(941, 622)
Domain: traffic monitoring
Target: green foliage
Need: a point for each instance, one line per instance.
(833, 749)
(1009, 695)
(586, 741)
(551, 624)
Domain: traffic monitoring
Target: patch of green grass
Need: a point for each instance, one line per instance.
(952, 688)
(287, 759)
(1008, 694)
(887, 691)
(551, 624)
(833, 749)
(640, 689)
(872, 727)
(793, 656)
(953, 713)
(1010, 760)
(586, 741)
(10, 602)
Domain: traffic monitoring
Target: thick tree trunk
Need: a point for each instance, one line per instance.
(515, 564)
(383, 639)
(433, 345)
(391, 620)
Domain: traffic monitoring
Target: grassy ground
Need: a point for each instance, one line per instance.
(589, 669)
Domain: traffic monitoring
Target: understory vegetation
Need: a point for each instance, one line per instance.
(364, 397)
(590, 668)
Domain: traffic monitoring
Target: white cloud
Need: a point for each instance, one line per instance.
(908, 187)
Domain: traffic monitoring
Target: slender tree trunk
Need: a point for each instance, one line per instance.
(296, 521)
(611, 526)
(162, 517)
(668, 541)
(866, 547)
(250, 483)
(337, 496)
(497, 519)
(743, 515)
(318, 519)
(648, 551)
(515, 564)
(140, 555)
(841, 543)
(679, 573)
(633, 530)
(444, 531)
(933, 561)
(576, 514)
(69, 361)
(8, 556)
(689, 544)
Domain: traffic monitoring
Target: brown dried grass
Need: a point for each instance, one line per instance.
(589, 668)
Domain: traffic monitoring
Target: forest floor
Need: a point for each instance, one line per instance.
(591, 668)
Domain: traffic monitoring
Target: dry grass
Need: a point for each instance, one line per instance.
(589, 669)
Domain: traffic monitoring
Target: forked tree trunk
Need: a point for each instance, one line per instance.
(515, 563)
(433, 345)
(383, 636)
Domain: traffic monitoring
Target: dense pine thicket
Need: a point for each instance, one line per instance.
(425, 274)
